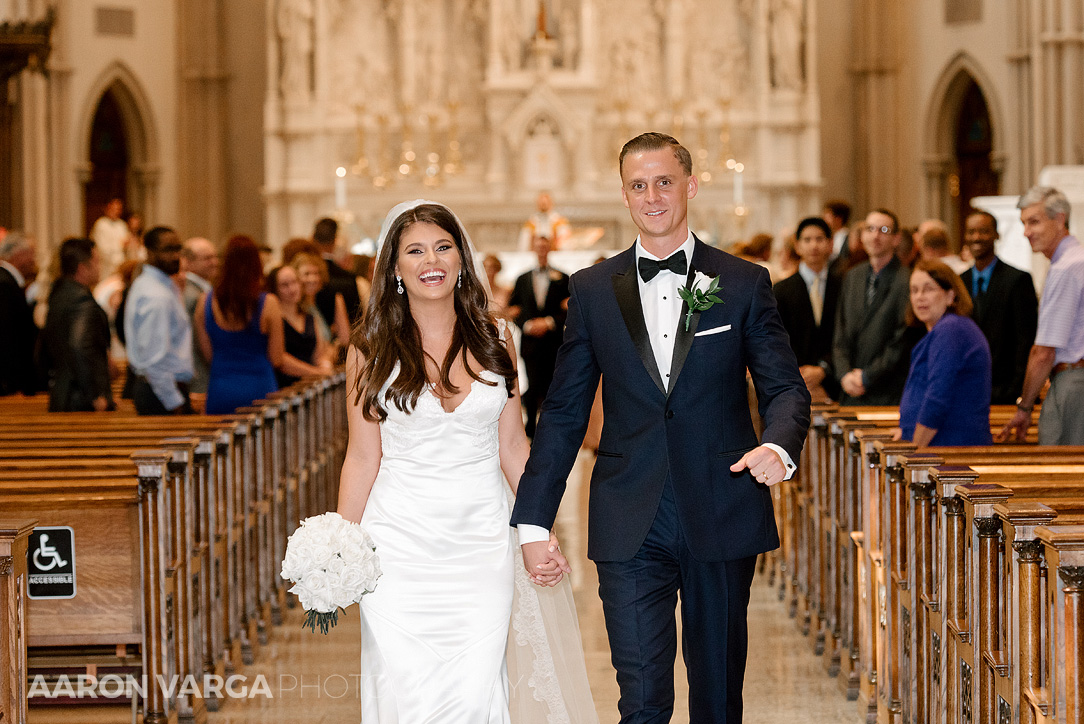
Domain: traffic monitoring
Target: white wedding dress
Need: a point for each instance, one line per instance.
(436, 629)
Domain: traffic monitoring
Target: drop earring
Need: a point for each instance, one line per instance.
(459, 281)
(399, 279)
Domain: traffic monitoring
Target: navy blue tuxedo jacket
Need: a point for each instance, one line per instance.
(692, 428)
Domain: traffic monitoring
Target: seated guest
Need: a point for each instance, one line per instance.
(240, 331)
(75, 340)
(157, 332)
(306, 349)
(807, 304)
(1006, 308)
(946, 400)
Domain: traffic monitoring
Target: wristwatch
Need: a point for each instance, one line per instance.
(1021, 406)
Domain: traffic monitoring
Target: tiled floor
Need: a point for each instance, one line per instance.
(312, 678)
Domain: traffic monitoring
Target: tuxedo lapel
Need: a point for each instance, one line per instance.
(683, 339)
(627, 293)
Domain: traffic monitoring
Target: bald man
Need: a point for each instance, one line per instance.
(201, 270)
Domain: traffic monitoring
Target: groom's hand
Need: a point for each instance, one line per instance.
(764, 464)
(545, 563)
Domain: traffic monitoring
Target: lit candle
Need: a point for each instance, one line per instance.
(739, 197)
(340, 188)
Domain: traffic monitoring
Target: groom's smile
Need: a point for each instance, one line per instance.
(656, 190)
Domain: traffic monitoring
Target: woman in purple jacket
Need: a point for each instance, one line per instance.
(947, 397)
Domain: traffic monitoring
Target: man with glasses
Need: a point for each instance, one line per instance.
(871, 346)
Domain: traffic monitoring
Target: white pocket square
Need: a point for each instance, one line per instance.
(716, 330)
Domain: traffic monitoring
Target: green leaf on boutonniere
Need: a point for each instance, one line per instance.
(699, 299)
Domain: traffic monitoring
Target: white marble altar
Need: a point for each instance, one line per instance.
(482, 103)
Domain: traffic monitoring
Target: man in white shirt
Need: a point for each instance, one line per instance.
(112, 236)
(679, 494)
(1058, 352)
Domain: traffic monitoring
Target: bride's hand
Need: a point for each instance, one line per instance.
(550, 572)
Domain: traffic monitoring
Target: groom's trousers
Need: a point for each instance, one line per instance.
(639, 598)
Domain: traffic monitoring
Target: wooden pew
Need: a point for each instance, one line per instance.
(988, 630)
(13, 535)
(231, 496)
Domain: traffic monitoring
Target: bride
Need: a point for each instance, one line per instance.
(450, 634)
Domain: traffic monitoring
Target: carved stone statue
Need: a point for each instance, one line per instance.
(786, 43)
(294, 25)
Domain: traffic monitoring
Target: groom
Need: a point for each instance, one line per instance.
(679, 495)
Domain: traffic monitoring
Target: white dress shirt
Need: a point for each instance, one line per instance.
(808, 275)
(661, 303)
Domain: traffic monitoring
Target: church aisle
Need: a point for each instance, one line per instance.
(314, 678)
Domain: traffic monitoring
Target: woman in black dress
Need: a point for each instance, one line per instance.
(307, 350)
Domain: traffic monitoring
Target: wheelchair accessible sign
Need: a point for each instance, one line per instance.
(50, 563)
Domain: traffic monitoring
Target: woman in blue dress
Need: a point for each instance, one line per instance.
(239, 328)
(947, 397)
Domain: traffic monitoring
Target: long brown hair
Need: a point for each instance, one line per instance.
(241, 282)
(387, 334)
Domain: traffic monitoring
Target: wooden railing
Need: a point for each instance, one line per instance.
(180, 524)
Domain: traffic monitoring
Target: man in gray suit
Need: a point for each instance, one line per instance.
(201, 269)
(871, 347)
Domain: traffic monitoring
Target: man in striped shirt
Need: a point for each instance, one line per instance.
(1058, 352)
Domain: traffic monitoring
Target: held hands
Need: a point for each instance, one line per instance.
(764, 464)
(545, 563)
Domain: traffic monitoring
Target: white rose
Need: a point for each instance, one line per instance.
(701, 281)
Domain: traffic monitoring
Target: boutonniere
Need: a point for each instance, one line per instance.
(700, 295)
(555, 276)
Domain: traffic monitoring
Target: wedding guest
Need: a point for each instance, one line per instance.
(340, 282)
(135, 250)
(239, 328)
(1006, 308)
(538, 306)
(112, 235)
(934, 238)
(855, 251)
(18, 268)
(312, 273)
(201, 271)
(871, 343)
(75, 340)
(807, 305)
(837, 214)
(499, 294)
(946, 400)
(158, 334)
(1058, 351)
(307, 351)
(299, 245)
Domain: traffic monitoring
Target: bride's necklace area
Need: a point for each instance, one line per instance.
(459, 376)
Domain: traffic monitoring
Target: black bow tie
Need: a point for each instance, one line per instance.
(649, 268)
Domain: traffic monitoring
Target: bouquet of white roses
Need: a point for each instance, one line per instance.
(332, 563)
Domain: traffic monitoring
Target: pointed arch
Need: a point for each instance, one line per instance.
(946, 100)
(140, 129)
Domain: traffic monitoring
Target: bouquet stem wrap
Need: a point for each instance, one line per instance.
(332, 563)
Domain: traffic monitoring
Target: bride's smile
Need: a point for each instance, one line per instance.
(429, 261)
